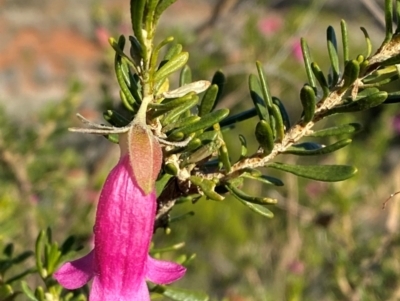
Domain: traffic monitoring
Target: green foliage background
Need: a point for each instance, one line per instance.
(326, 242)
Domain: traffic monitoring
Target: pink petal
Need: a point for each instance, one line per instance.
(123, 231)
(100, 293)
(163, 272)
(77, 273)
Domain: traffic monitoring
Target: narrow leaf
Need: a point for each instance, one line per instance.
(27, 291)
(308, 101)
(360, 105)
(260, 209)
(333, 54)
(137, 14)
(249, 198)
(256, 96)
(351, 73)
(264, 179)
(171, 66)
(218, 79)
(208, 100)
(284, 113)
(327, 173)
(264, 85)
(345, 40)
(368, 42)
(205, 122)
(321, 78)
(343, 129)
(299, 151)
(185, 76)
(307, 63)
(238, 117)
(388, 21)
(264, 136)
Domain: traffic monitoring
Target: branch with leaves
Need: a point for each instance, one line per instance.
(197, 164)
(183, 120)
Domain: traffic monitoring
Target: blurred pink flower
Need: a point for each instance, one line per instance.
(296, 51)
(102, 35)
(296, 267)
(119, 263)
(270, 25)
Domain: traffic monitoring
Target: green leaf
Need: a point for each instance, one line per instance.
(381, 75)
(388, 21)
(321, 78)
(308, 101)
(322, 150)
(170, 103)
(161, 182)
(360, 105)
(186, 76)
(260, 209)
(175, 63)
(205, 122)
(345, 40)
(156, 51)
(218, 79)
(279, 124)
(283, 111)
(249, 198)
(39, 293)
(333, 54)
(161, 7)
(256, 96)
(327, 173)
(264, 85)
(368, 41)
(180, 123)
(238, 117)
(224, 158)
(264, 136)
(174, 50)
(28, 292)
(137, 13)
(366, 93)
(307, 63)
(208, 100)
(174, 114)
(397, 6)
(135, 51)
(243, 146)
(123, 78)
(264, 179)
(351, 73)
(179, 294)
(343, 129)
(40, 243)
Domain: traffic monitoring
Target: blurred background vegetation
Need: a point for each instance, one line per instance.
(326, 242)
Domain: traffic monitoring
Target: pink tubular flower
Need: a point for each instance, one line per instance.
(119, 263)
